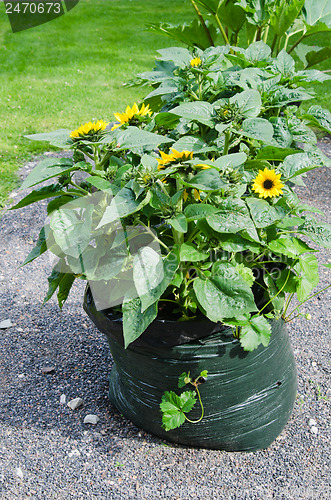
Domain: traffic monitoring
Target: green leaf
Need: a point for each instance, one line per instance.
(189, 253)
(100, 183)
(277, 298)
(231, 15)
(257, 331)
(40, 194)
(319, 117)
(284, 14)
(257, 128)
(198, 211)
(284, 64)
(199, 111)
(71, 232)
(57, 138)
(284, 96)
(258, 51)
(192, 34)
(206, 180)
(123, 204)
(189, 143)
(39, 249)
(263, 214)
(246, 273)
(249, 103)
(282, 135)
(135, 321)
(179, 223)
(315, 57)
(152, 274)
(48, 168)
(233, 216)
(184, 379)
(319, 232)
(166, 120)
(272, 153)
(289, 245)
(136, 139)
(173, 408)
(179, 55)
(295, 165)
(317, 11)
(287, 276)
(309, 278)
(64, 288)
(224, 295)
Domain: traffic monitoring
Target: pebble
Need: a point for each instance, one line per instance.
(314, 430)
(74, 453)
(91, 419)
(6, 323)
(63, 399)
(75, 403)
(312, 422)
(47, 369)
(19, 473)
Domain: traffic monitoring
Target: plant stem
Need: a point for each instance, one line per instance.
(227, 143)
(296, 43)
(311, 296)
(274, 43)
(202, 409)
(155, 237)
(288, 275)
(221, 29)
(265, 35)
(205, 27)
(286, 41)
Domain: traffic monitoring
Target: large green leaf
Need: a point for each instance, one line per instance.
(284, 14)
(189, 143)
(59, 280)
(257, 331)
(136, 139)
(192, 34)
(40, 248)
(206, 180)
(295, 165)
(258, 51)
(284, 64)
(248, 102)
(319, 117)
(309, 277)
(231, 14)
(71, 231)
(263, 214)
(46, 169)
(224, 296)
(317, 56)
(284, 96)
(317, 11)
(319, 232)
(135, 321)
(201, 112)
(233, 216)
(179, 223)
(179, 55)
(57, 138)
(189, 253)
(123, 204)
(290, 246)
(257, 128)
(282, 134)
(40, 194)
(198, 211)
(153, 274)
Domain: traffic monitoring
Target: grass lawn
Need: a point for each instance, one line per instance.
(72, 70)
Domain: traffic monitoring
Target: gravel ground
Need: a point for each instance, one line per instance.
(47, 452)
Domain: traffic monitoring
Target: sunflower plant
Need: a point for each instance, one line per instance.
(206, 168)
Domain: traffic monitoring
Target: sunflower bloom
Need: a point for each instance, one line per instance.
(131, 113)
(268, 184)
(195, 62)
(175, 156)
(89, 129)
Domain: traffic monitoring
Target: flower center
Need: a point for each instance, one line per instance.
(268, 184)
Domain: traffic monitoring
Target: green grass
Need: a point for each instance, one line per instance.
(72, 70)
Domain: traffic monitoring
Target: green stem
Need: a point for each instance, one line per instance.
(296, 43)
(155, 237)
(278, 45)
(265, 35)
(227, 142)
(287, 303)
(286, 41)
(311, 296)
(288, 275)
(274, 43)
(205, 27)
(202, 410)
(221, 29)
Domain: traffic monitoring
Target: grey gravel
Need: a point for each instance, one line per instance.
(5, 324)
(62, 459)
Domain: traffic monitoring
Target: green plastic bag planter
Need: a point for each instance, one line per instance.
(248, 396)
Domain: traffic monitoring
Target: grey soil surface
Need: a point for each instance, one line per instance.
(48, 453)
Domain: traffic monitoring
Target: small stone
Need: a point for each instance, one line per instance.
(63, 399)
(21, 375)
(74, 453)
(312, 422)
(313, 363)
(47, 369)
(5, 324)
(314, 430)
(20, 329)
(75, 403)
(91, 419)
(19, 473)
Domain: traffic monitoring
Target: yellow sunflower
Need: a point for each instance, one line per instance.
(195, 62)
(131, 113)
(267, 183)
(89, 129)
(175, 156)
